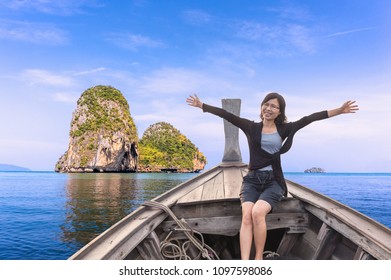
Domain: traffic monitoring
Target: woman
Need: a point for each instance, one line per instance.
(264, 185)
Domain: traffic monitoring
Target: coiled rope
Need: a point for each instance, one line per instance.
(270, 255)
(174, 248)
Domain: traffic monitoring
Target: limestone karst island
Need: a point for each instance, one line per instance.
(103, 138)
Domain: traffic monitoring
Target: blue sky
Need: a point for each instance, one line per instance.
(317, 54)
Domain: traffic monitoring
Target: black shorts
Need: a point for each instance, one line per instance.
(260, 185)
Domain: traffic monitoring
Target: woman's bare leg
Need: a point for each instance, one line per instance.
(246, 230)
(259, 212)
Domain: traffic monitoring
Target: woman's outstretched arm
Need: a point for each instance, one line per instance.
(346, 108)
(244, 124)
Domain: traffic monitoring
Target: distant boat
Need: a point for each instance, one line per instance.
(200, 219)
(169, 170)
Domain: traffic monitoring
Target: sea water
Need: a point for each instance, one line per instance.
(49, 216)
(369, 193)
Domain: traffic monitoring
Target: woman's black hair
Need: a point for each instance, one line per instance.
(281, 103)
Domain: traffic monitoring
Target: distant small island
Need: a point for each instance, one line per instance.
(314, 170)
(10, 167)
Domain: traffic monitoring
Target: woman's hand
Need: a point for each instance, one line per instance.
(194, 101)
(346, 108)
(349, 107)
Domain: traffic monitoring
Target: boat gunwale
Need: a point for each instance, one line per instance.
(335, 202)
(377, 233)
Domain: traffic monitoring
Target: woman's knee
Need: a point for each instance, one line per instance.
(260, 210)
(247, 214)
(247, 220)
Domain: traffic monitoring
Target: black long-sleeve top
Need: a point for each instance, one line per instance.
(259, 158)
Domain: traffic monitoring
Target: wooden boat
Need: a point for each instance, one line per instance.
(200, 219)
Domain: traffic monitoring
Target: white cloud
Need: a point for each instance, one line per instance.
(173, 81)
(56, 7)
(37, 33)
(289, 12)
(43, 77)
(66, 97)
(255, 31)
(183, 81)
(299, 37)
(89, 72)
(133, 42)
(197, 17)
(277, 39)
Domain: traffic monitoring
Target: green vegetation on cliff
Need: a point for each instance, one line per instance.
(107, 110)
(163, 146)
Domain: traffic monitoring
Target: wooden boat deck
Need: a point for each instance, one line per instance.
(213, 205)
(223, 185)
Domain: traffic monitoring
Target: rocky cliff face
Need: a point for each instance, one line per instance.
(103, 136)
(164, 148)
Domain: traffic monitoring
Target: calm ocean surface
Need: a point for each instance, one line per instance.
(49, 216)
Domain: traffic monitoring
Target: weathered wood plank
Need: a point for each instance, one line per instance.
(230, 207)
(149, 249)
(296, 222)
(328, 242)
(286, 244)
(214, 189)
(225, 185)
(232, 182)
(206, 209)
(230, 225)
(195, 193)
(362, 255)
(289, 205)
(193, 196)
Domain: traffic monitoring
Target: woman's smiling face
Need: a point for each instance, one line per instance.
(270, 110)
